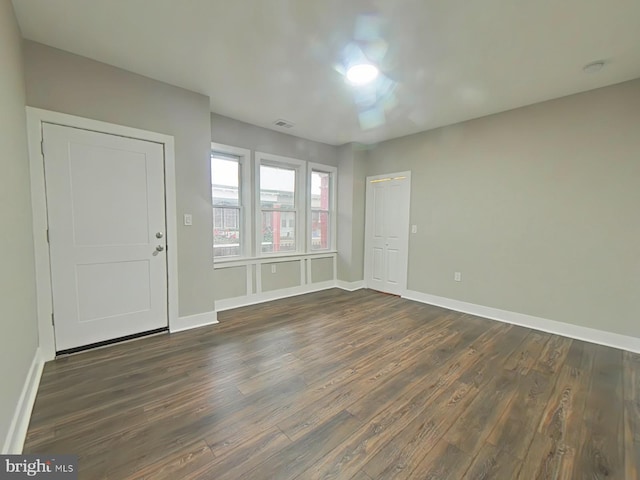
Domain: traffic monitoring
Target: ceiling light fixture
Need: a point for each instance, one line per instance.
(362, 74)
(593, 67)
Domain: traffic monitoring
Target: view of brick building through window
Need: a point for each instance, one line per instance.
(279, 212)
(279, 209)
(320, 182)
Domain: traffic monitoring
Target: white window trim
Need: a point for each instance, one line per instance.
(244, 159)
(262, 158)
(333, 173)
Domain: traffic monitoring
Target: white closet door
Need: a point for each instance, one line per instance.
(387, 232)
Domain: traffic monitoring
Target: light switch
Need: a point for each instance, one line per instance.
(188, 219)
(414, 228)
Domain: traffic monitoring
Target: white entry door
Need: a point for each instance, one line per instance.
(106, 213)
(387, 232)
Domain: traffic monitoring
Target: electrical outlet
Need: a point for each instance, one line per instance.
(457, 276)
(188, 219)
(273, 268)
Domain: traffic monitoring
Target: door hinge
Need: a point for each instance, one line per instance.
(48, 236)
(53, 322)
(42, 147)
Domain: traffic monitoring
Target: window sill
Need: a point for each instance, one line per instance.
(283, 257)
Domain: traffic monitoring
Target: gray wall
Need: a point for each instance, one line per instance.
(19, 339)
(351, 205)
(63, 82)
(321, 270)
(537, 207)
(239, 134)
(231, 282)
(287, 275)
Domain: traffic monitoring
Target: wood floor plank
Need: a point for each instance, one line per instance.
(514, 430)
(576, 431)
(553, 354)
(369, 439)
(401, 455)
(442, 364)
(361, 476)
(556, 444)
(184, 464)
(443, 462)
(529, 353)
(472, 428)
(392, 416)
(602, 454)
(493, 463)
(339, 384)
(292, 460)
(493, 353)
(243, 453)
(631, 373)
(328, 398)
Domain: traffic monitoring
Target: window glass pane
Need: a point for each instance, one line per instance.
(276, 237)
(218, 218)
(225, 180)
(226, 234)
(320, 230)
(277, 187)
(320, 190)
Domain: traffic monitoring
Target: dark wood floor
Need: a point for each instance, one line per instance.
(349, 386)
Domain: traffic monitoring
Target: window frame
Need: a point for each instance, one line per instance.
(333, 222)
(300, 201)
(244, 198)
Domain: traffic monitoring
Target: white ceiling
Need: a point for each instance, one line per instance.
(444, 61)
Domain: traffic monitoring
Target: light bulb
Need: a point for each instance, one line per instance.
(362, 74)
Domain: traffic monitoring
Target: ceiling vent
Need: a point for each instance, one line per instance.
(283, 123)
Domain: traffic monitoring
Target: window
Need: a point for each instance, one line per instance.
(280, 203)
(322, 206)
(228, 177)
(293, 210)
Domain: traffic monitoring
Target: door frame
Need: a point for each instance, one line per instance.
(44, 296)
(367, 229)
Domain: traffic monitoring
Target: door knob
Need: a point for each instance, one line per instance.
(159, 248)
(159, 235)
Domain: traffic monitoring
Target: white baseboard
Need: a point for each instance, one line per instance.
(14, 442)
(578, 332)
(350, 286)
(245, 301)
(194, 321)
